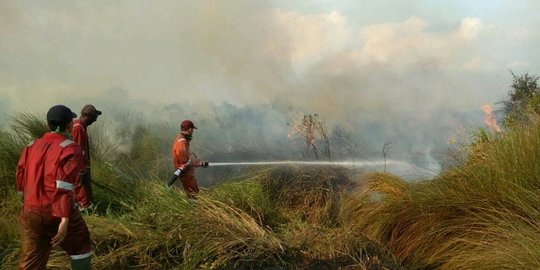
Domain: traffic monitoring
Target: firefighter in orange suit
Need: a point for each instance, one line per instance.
(185, 160)
(46, 177)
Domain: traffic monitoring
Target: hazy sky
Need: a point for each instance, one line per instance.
(336, 58)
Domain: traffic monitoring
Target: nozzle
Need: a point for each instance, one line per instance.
(174, 176)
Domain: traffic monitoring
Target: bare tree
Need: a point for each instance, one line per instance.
(314, 133)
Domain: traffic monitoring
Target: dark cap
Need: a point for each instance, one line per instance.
(60, 115)
(90, 110)
(187, 124)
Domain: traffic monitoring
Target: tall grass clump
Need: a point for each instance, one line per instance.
(148, 236)
(10, 205)
(10, 151)
(247, 193)
(218, 235)
(482, 215)
(309, 193)
(29, 126)
(22, 129)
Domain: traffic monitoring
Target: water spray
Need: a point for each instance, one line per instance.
(379, 164)
(178, 172)
(305, 163)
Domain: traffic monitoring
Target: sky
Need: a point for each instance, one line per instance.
(335, 56)
(352, 62)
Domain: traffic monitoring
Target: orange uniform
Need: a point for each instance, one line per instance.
(186, 161)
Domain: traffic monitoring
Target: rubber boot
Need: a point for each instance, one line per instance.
(81, 264)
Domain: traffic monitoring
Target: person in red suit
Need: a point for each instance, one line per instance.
(46, 176)
(83, 189)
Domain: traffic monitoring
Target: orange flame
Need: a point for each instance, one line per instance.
(490, 118)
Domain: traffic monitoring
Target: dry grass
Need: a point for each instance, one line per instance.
(482, 215)
(219, 235)
(310, 193)
(10, 205)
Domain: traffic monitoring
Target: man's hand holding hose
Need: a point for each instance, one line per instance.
(179, 171)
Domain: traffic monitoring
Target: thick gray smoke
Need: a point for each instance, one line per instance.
(414, 77)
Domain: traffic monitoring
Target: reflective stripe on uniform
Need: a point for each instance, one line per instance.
(81, 256)
(66, 143)
(64, 185)
(182, 139)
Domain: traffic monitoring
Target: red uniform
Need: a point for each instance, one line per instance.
(83, 188)
(46, 176)
(186, 161)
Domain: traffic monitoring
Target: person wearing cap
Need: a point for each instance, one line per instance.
(186, 161)
(83, 190)
(46, 175)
